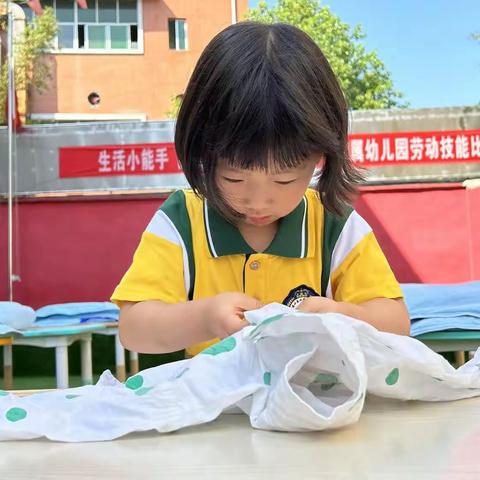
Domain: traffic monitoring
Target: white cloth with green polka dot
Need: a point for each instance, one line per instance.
(288, 371)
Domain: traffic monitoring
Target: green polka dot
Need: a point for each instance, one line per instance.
(134, 382)
(267, 378)
(392, 377)
(3, 393)
(16, 414)
(327, 381)
(272, 319)
(143, 391)
(226, 345)
(260, 327)
(327, 386)
(326, 378)
(70, 396)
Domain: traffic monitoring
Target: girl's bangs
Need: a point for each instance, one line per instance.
(266, 146)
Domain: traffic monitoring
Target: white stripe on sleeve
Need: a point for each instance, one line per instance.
(161, 226)
(353, 232)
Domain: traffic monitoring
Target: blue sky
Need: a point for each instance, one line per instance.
(424, 44)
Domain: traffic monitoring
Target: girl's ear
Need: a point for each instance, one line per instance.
(320, 161)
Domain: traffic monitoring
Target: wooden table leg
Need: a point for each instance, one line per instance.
(459, 358)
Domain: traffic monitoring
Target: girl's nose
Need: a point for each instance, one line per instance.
(258, 201)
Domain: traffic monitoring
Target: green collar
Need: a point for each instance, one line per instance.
(291, 239)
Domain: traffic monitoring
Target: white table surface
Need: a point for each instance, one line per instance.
(392, 440)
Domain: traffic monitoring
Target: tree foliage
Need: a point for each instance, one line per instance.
(175, 103)
(32, 68)
(365, 80)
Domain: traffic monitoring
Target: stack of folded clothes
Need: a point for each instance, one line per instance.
(435, 308)
(15, 317)
(76, 313)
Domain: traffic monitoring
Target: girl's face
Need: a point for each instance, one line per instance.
(263, 197)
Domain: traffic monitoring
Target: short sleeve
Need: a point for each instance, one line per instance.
(360, 270)
(159, 270)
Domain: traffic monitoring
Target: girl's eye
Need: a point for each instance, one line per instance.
(232, 180)
(285, 182)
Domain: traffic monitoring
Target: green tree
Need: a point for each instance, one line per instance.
(365, 80)
(175, 103)
(32, 68)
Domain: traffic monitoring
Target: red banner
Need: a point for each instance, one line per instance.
(366, 149)
(414, 148)
(111, 160)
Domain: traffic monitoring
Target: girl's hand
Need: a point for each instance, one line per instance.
(318, 305)
(223, 313)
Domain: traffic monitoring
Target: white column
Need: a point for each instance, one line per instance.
(134, 365)
(61, 366)
(233, 4)
(119, 359)
(7, 367)
(86, 358)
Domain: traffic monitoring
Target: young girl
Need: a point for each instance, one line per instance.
(262, 110)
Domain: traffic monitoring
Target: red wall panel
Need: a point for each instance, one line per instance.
(423, 230)
(473, 208)
(78, 250)
(75, 250)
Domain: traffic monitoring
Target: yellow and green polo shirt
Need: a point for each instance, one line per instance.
(189, 251)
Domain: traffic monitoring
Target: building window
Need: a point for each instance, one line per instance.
(177, 34)
(107, 25)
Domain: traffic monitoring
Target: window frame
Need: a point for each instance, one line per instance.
(177, 36)
(76, 50)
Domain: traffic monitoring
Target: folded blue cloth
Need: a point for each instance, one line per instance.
(76, 313)
(76, 308)
(451, 300)
(7, 329)
(15, 316)
(440, 324)
(434, 308)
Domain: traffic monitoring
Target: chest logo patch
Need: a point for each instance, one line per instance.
(298, 294)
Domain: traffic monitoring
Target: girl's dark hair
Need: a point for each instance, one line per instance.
(263, 93)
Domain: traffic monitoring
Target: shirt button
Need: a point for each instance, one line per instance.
(255, 265)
